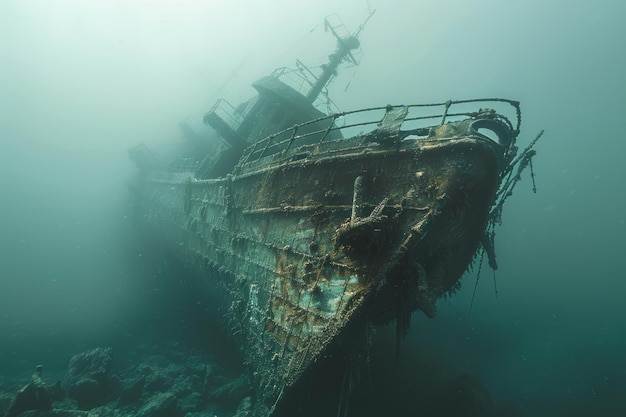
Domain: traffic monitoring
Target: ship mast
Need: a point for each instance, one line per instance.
(343, 52)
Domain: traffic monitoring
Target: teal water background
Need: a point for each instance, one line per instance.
(82, 82)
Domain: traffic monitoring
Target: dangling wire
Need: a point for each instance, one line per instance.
(495, 287)
(532, 175)
(346, 389)
(480, 267)
(489, 247)
(349, 81)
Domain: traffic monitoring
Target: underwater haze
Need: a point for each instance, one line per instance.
(81, 82)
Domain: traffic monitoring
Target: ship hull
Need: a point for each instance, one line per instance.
(301, 252)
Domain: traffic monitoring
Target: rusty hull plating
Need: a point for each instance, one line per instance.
(304, 230)
(305, 246)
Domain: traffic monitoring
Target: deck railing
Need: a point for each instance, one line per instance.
(228, 113)
(364, 121)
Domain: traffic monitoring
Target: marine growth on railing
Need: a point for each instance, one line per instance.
(415, 121)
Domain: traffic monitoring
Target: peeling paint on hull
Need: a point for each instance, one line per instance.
(301, 269)
(305, 230)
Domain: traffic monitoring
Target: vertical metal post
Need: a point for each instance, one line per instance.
(357, 199)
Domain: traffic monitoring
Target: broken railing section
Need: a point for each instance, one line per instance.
(510, 176)
(388, 129)
(226, 120)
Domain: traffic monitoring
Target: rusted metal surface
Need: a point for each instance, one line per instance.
(306, 247)
(305, 230)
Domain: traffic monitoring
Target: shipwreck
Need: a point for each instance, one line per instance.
(305, 228)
